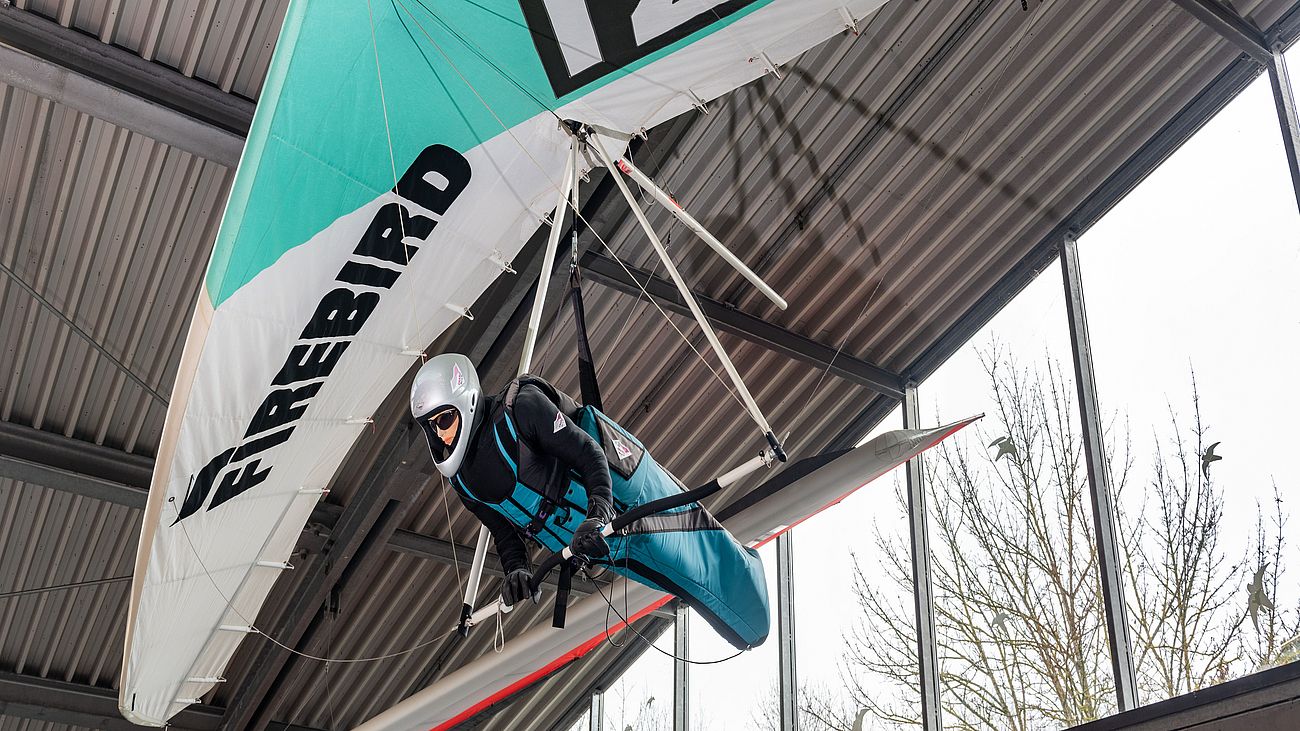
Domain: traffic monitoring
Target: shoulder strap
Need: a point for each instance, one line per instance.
(561, 400)
(553, 490)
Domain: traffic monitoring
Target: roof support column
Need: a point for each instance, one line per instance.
(927, 651)
(682, 669)
(1103, 509)
(785, 631)
(1284, 99)
(596, 720)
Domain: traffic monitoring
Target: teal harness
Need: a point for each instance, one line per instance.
(682, 551)
(550, 518)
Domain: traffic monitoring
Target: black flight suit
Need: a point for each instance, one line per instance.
(550, 454)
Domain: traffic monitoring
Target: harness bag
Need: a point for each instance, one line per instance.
(682, 551)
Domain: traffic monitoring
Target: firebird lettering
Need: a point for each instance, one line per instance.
(433, 182)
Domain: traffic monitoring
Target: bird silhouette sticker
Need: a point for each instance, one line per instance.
(1000, 621)
(1005, 447)
(1256, 597)
(1208, 458)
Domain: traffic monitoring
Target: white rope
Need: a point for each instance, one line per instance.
(383, 104)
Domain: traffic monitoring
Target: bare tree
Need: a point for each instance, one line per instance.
(633, 707)
(1018, 609)
(1183, 608)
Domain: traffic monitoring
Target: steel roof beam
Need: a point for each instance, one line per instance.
(71, 465)
(435, 549)
(1284, 100)
(1231, 26)
(120, 87)
(609, 272)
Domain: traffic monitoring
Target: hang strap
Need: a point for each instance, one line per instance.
(586, 363)
(563, 586)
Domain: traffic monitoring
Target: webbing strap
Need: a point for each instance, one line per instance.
(563, 586)
(586, 363)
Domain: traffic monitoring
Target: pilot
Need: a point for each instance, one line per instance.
(510, 458)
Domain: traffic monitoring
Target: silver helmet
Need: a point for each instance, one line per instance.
(446, 385)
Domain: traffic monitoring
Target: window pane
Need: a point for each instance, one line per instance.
(583, 723)
(839, 565)
(1018, 607)
(731, 695)
(642, 698)
(1195, 322)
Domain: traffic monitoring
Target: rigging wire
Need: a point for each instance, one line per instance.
(648, 641)
(623, 616)
(255, 630)
(61, 587)
(91, 341)
(484, 57)
(455, 555)
(577, 213)
(383, 104)
(578, 216)
(843, 342)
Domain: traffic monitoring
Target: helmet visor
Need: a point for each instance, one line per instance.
(442, 428)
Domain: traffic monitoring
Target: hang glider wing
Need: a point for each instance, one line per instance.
(401, 152)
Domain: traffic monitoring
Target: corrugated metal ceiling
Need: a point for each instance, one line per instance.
(884, 185)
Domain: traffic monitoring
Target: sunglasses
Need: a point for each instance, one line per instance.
(443, 419)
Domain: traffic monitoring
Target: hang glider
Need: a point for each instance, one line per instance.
(401, 154)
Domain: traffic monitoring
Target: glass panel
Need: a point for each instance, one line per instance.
(1018, 604)
(583, 723)
(837, 566)
(1195, 320)
(642, 698)
(731, 695)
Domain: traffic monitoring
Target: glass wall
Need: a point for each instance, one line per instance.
(583, 723)
(736, 694)
(1195, 318)
(853, 598)
(1018, 609)
(642, 698)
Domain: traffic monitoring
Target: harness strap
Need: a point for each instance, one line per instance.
(563, 586)
(586, 363)
(538, 523)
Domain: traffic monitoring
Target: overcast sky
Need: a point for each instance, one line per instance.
(1197, 268)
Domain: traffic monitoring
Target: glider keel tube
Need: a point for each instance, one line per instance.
(802, 490)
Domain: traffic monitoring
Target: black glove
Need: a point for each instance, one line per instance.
(518, 587)
(587, 540)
